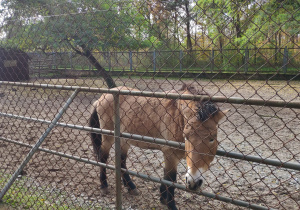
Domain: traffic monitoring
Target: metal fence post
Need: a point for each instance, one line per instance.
(154, 60)
(255, 53)
(70, 57)
(37, 145)
(39, 64)
(246, 60)
(109, 60)
(285, 60)
(130, 60)
(53, 60)
(117, 152)
(212, 60)
(180, 59)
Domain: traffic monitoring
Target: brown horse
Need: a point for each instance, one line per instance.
(192, 122)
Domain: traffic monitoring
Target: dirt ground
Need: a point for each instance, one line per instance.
(5, 207)
(253, 130)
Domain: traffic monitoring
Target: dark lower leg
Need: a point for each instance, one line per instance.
(163, 193)
(126, 178)
(167, 192)
(103, 179)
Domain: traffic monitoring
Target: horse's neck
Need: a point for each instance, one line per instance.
(187, 108)
(174, 111)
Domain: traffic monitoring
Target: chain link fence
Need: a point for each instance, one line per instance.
(205, 92)
(211, 61)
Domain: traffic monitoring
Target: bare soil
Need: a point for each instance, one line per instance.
(252, 130)
(4, 206)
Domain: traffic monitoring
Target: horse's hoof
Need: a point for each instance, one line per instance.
(163, 201)
(134, 192)
(104, 190)
(172, 207)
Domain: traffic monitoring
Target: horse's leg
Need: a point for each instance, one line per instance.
(101, 144)
(125, 176)
(170, 173)
(107, 142)
(103, 178)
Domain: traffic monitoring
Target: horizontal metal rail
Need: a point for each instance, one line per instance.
(178, 145)
(221, 99)
(143, 176)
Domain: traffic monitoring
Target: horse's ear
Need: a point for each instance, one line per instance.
(221, 114)
(191, 88)
(225, 111)
(184, 87)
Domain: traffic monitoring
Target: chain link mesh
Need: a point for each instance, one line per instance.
(236, 49)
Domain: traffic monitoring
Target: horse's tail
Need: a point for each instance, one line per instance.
(95, 137)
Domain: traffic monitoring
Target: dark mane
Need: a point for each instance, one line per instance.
(205, 108)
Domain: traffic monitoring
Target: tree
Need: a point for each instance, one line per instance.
(83, 26)
(272, 21)
(183, 14)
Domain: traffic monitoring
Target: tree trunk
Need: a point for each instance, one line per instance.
(279, 39)
(279, 42)
(109, 81)
(221, 49)
(203, 35)
(177, 41)
(276, 46)
(188, 27)
(238, 26)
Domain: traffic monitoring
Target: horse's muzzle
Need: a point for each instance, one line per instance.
(195, 185)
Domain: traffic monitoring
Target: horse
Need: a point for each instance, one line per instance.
(192, 122)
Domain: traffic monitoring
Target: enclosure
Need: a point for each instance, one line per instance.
(244, 55)
(13, 65)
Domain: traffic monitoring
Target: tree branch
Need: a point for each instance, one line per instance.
(74, 48)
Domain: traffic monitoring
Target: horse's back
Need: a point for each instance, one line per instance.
(146, 116)
(136, 112)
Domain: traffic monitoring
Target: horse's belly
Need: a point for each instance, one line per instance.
(143, 145)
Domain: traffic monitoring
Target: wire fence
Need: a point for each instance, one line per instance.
(246, 60)
(105, 105)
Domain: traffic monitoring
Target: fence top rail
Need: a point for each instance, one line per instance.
(220, 99)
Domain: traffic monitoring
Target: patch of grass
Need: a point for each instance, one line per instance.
(20, 195)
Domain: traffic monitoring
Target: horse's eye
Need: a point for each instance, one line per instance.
(211, 140)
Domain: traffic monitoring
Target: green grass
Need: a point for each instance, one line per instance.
(36, 197)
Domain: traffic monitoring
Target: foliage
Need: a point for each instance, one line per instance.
(103, 25)
(49, 25)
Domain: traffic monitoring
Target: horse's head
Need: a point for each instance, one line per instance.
(201, 120)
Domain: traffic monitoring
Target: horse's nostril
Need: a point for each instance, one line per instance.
(199, 182)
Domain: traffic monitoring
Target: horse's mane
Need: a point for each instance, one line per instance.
(205, 108)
